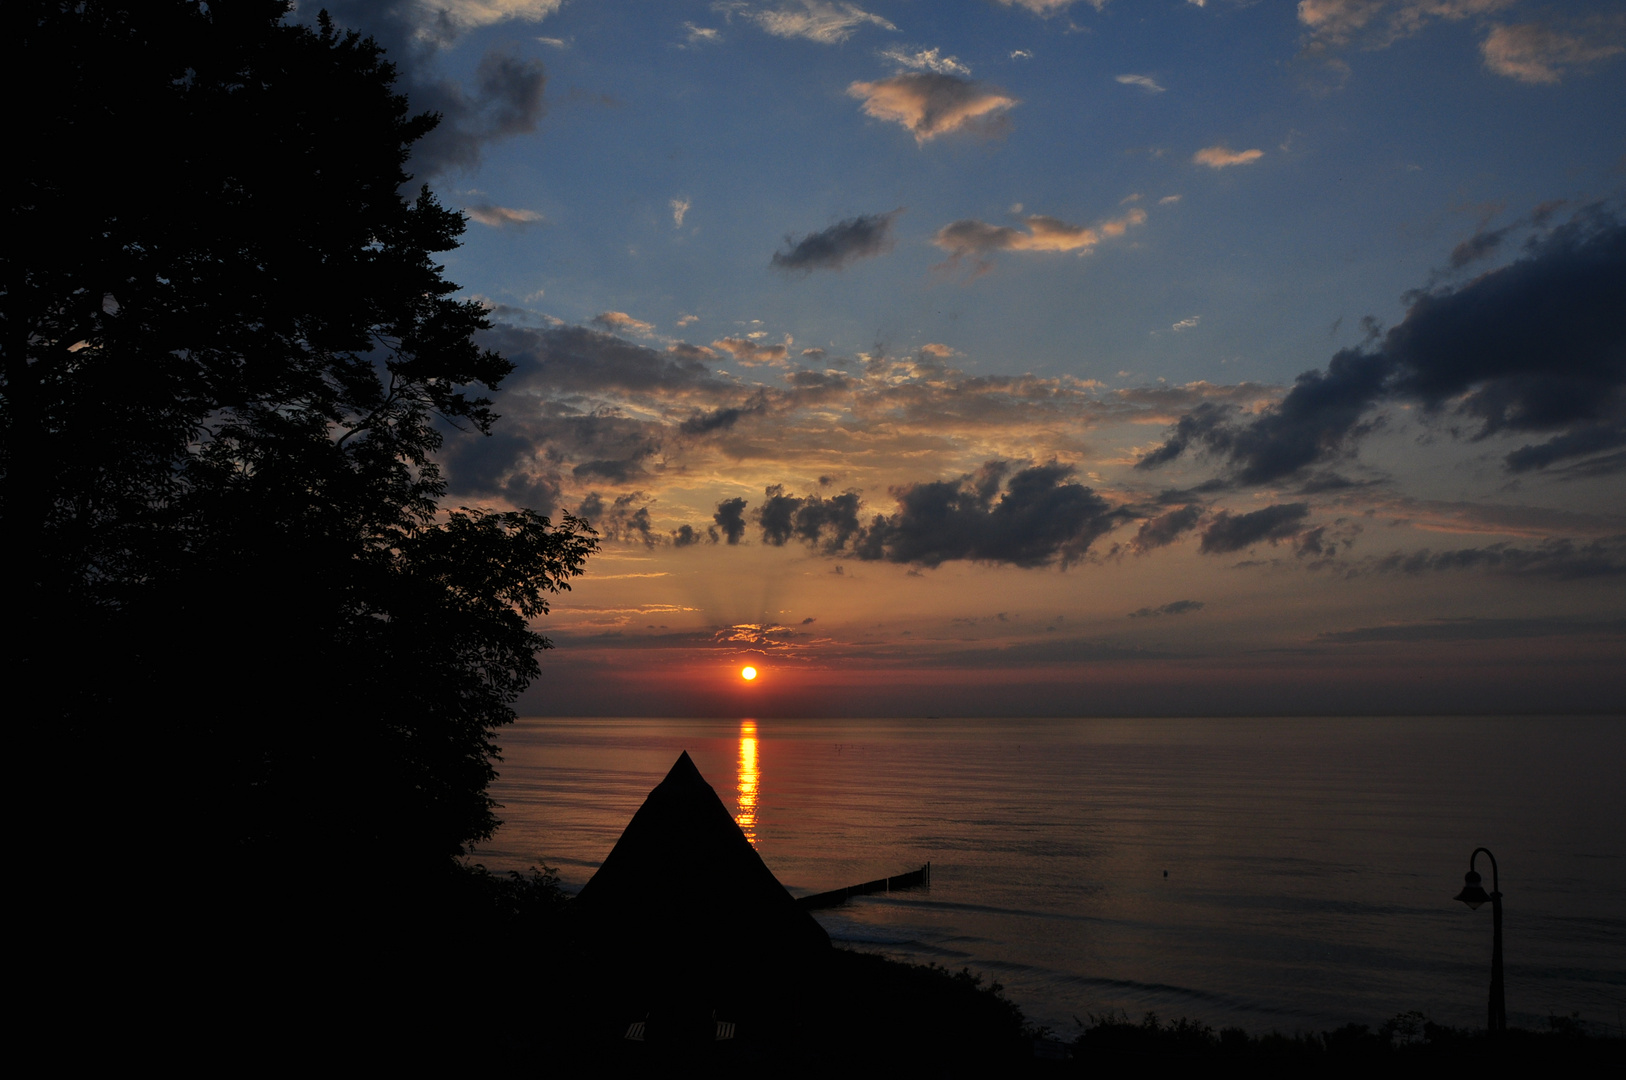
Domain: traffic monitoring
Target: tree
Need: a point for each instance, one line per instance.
(229, 358)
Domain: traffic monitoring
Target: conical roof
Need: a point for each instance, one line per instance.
(683, 890)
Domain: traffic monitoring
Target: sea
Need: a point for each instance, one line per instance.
(1278, 874)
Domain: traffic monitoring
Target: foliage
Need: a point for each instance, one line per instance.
(229, 358)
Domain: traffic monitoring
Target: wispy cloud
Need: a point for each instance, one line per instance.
(621, 323)
(1537, 53)
(1043, 233)
(503, 217)
(930, 104)
(441, 19)
(1221, 157)
(680, 207)
(1050, 7)
(749, 352)
(814, 20)
(1178, 607)
(1145, 82)
(839, 245)
(1376, 24)
(926, 60)
(701, 35)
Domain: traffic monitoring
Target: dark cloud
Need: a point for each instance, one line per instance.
(579, 360)
(843, 243)
(623, 520)
(506, 98)
(821, 523)
(615, 470)
(730, 518)
(1471, 629)
(1562, 558)
(1233, 532)
(1536, 346)
(1178, 607)
(685, 536)
(1165, 529)
(1032, 516)
(720, 419)
(1580, 442)
(1481, 245)
(1040, 517)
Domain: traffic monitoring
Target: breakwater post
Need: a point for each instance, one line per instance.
(835, 897)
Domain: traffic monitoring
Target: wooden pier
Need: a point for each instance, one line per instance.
(835, 897)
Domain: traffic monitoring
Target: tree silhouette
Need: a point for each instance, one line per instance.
(229, 358)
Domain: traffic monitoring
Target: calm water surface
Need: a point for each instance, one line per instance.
(1287, 874)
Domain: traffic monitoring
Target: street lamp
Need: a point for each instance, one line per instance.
(1473, 894)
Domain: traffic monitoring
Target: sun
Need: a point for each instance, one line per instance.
(748, 673)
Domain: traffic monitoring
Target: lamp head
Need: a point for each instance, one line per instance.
(1473, 894)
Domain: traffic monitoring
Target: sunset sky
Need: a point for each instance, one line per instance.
(1044, 357)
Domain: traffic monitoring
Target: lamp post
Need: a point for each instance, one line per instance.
(1473, 894)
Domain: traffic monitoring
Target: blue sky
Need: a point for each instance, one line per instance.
(976, 266)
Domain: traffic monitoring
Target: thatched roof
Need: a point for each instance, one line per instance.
(685, 895)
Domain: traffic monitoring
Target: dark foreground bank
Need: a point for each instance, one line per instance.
(480, 971)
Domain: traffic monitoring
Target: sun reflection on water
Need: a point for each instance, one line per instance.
(747, 788)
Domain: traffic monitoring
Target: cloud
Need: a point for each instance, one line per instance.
(445, 20)
(700, 35)
(1041, 517)
(1229, 532)
(502, 217)
(1044, 233)
(585, 407)
(1186, 324)
(1560, 558)
(622, 521)
(827, 524)
(507, 101)
(1178, 607)
(1029, 517)
(930, 104)
(814, 20)
(926, 60)
(730, 518)
(1474, 629)
(721, 419)
(1145, 82)
(1050, 7)
(750, 353)
(1220, 157)
(1536, 53)
(1535, 346)
(1165, 529)
(680, 207)
(841, 244)
(506, 98)
(619, 322)
(1376, 24)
